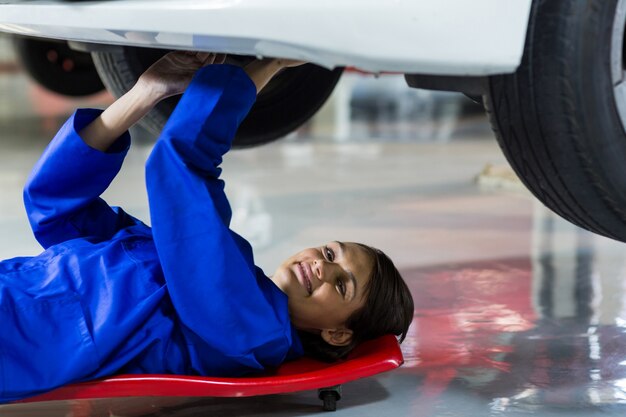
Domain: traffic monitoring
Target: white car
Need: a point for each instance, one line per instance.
(551, 73)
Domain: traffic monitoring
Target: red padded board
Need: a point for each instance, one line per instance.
(83, 399)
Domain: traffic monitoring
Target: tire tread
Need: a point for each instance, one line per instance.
(535, 118)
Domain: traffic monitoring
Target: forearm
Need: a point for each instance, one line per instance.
(119, 117)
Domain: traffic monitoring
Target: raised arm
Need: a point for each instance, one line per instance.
(167, 77)
(62, 193)
(221, 298)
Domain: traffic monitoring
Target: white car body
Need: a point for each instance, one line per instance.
(440, 37)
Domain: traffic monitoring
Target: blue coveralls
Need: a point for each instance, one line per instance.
(110, 295)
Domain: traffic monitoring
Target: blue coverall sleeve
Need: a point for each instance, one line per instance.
(61, 195)
(208, 268)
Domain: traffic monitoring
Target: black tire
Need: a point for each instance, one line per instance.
(557, 118)
(57, 67)
(287, 102)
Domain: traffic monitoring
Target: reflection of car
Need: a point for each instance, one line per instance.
(550, 72)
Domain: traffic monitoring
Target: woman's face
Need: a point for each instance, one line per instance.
(325, 285)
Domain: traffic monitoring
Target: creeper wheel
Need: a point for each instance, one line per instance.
(330, 396)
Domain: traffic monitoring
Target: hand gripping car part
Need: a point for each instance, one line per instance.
(136, 395)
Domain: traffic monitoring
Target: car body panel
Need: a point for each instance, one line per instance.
(444, 37)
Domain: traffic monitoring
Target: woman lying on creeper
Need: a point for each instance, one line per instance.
(110, 295)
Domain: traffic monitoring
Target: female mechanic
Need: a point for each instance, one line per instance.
(111, 295)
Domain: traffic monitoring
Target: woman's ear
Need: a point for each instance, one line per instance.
(337, 337)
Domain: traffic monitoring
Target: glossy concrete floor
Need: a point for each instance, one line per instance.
(517, 311)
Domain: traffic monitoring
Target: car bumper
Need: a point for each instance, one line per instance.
(447, 37)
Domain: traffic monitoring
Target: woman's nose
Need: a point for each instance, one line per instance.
(318, 268)
(324, 270)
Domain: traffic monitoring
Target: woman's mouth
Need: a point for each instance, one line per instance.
(304, 278)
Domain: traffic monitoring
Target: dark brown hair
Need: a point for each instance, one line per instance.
(388, 309)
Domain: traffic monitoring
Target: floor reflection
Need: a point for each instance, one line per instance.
(523, 334)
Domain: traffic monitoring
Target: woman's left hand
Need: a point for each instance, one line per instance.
(171, 74)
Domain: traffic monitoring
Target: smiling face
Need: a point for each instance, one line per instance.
(325, 285)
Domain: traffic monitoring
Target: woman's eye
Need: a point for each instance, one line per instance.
(342, 287)
(328, 252)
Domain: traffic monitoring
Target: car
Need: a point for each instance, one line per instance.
(550, 73)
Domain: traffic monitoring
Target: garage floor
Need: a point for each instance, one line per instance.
(517, 311)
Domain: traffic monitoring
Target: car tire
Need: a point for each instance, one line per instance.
(287, 102)
(560, 118)
(57, 67)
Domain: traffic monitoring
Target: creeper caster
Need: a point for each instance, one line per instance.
(330, 396)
